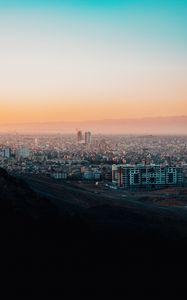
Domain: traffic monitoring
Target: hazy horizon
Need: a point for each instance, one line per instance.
(157, 125)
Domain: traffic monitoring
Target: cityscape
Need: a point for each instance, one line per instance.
(84, 156)
(148, 168)
(93, 145)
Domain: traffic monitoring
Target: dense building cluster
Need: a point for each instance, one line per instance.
(91, 157)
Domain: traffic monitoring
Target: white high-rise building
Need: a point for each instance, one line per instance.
(88, 137)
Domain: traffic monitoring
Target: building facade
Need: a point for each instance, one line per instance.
(79, 136)
(146, 176)
(88, 137)
(22, 153)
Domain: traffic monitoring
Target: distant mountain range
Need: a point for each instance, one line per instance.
(156, 125)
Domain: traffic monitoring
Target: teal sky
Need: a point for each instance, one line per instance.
(115, 51)
(92, 3)
(160, 24)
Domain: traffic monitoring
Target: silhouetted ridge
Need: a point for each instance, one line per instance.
(16, 193)
(23, 214)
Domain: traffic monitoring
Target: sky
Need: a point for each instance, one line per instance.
(78, 60)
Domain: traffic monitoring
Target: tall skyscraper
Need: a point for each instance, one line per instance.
(88, 137)
(79, 136)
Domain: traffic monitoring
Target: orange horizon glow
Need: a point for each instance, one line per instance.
(70, 111)
(70, 63)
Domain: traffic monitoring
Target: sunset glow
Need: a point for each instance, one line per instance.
(74, 61)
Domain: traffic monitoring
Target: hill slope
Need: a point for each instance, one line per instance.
(35, 235)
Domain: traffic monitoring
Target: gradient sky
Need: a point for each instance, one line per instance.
(92, 59)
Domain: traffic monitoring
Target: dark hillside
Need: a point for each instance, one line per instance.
(105, 238)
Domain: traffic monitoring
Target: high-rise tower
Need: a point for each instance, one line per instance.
(79, 136)
(88, 137)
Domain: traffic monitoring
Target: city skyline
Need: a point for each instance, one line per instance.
(75, 61)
